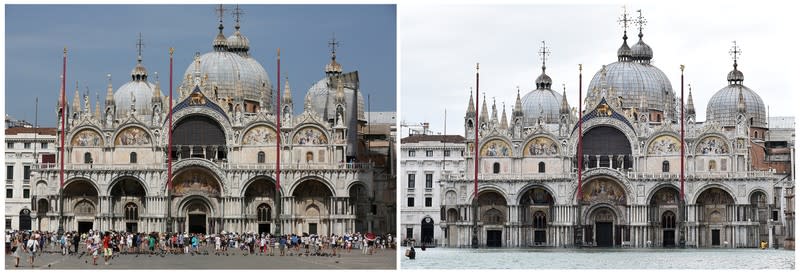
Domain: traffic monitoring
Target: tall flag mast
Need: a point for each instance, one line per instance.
(63, 135)
(683, 212)
(169, 146)
(278, 149)
(475, 192)
(579, 239)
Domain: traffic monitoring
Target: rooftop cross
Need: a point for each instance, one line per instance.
(140, 45)
(544, 53)
(333, 43)
(640, 21)
(220, 12)
(237, 13)
(735, 51)
(624, 20)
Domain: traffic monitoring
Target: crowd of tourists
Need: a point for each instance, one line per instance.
(112, 244)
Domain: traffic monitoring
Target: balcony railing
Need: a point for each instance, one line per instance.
(224, 165)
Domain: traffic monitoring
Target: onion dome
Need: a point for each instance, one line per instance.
(321, 97)
(220, 43)
(624, 52)
(333, 68)
(641, 52)
(725, 104)
(543, 81)
(238, 43)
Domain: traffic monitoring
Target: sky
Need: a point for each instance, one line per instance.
(440, 46)
(101, 39)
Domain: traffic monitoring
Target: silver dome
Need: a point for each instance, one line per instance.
(322, 96)
(722, 107)
(238, 43)
(541, 102)
(226, 70)
(636, 81)
(142, 90)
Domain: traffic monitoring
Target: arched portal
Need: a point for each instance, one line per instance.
(426, 228)
(359, 199)
(607, 147)
(714, 205)
(492, 208)
(452, 229)
(259, 199)
(124, 192)
(759, 212)
(535, 212)
(196, 212)
(311, 213)
(199, 136)
(25, 219)
(80, 195)
(664, 201)
(603, 220)
(188, 185)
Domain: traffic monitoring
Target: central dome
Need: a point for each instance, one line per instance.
(543, 103)
(322, 97)
(635, 82)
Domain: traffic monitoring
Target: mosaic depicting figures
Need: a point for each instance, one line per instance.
(496, 148)
(603, 190)
(664, 145)
(541, 146)
(87, 138)
(310, 136)
(665, 196)
(259, 135)
(195, 182)
(132, 136)
(712, 145)
(537, 196)
(714, 196)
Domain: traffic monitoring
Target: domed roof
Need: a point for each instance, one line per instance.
(543, 81)
(238, 43)
(641, 51)
(138, 89)
(635, 81)
(722, 107)
(541, 102)
(322, 97)
(227, 70)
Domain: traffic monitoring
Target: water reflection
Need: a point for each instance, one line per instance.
(447, 258)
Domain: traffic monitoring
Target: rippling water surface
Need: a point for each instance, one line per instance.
(448, 258)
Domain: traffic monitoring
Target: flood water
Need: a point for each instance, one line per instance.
(450, 258)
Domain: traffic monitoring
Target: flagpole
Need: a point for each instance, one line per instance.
(579, 229)
(475, 190)
(682, 241)
(169, 148)
(63, 135)
(278, 152)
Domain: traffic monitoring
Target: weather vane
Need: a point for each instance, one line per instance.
(544, 53)
(624, 20)
(640, 21)
(735, 51)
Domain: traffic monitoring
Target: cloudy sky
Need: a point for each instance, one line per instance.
(439, 46)
(102, 39)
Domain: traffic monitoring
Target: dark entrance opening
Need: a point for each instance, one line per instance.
(25, 219)
(715, 237)
(427, 231)
(84, 227)
(539, 237)
(669, 238)
(263, 228)
(131, 227)
(494, 238)
(312, 228)
(197, 223)
(605, 234)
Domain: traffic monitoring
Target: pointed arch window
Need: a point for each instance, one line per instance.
(665, 166)
(133, 157)
(264, 213)
(87, 158)
(261, 157)
(541, 167)
(496, 167)
(131, 212)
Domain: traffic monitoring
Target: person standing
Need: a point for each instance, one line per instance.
(107, 252)
(32, 247)
(16, 249)
(76, 239)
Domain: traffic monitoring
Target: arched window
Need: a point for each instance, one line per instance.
(133, 157)
(712, 165)
(755, 134)
(309, 157)
(87, 158)
(665, 166)
(261, 157)
(131, 212)
(541, 167)
(496, 167)
(539, 220)
(264, 213)
(668, 220)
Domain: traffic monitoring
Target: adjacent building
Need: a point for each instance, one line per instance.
(26, 147)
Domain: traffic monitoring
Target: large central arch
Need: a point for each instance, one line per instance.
(493, 215)
(606, 146)
(312, 207)
(127, 203)
(536, 212)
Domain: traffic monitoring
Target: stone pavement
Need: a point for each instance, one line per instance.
(381, 259)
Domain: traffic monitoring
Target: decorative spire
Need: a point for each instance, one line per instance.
(504, 119)
(109, 92)
(624, 52)
(518, 105)
(484, 111)
(287, 92)
(333, 68)
(156, 91)
(544, 81)
(564, 104)
(494, 110)
(690, 103)
(139, 72)
(339, 90)
(741, 106)
(76, 100)
(735, 76)
(97, 106)
(220, 44)
(471, 105)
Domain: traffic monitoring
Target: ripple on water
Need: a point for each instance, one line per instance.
(449, 258)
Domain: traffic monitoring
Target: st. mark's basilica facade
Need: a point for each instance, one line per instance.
(527, 193)
(224, 153)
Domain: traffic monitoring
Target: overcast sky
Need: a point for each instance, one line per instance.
(101, 39)
(441, 44)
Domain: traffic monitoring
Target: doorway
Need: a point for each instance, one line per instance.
(427, 231)
(312, 228)
(669, 238)
(494, 238)
(715, 237)
(131, 227)
(263, 228)
(84, 227)
(605, 234)
(25, 219)
(197, 223)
